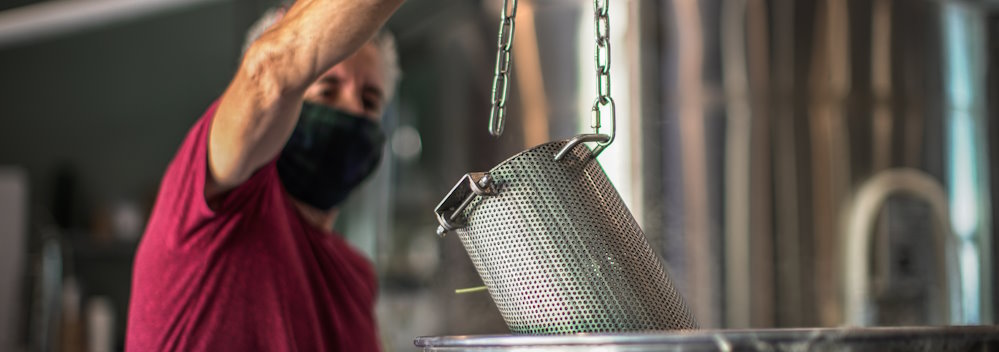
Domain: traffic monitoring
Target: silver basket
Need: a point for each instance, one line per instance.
(557, 249)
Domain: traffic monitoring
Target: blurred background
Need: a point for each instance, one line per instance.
(796, 163)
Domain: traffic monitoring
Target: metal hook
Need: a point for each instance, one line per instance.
(600, 138)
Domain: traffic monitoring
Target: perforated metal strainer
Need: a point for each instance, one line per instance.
(556, 247)
(548, 233)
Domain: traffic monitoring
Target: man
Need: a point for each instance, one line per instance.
(239, 253)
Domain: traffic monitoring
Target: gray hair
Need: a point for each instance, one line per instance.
(383, 41)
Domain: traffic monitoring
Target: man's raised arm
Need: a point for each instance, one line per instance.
(260, 107)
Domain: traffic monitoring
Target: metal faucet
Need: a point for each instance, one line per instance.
(858, 232)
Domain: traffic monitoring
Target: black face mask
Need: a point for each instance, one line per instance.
(329, 153)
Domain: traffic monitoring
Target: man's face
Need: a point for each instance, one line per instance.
(355, 85)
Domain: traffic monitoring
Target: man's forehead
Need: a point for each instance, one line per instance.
(365, 63)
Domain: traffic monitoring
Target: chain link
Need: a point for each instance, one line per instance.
(501, 76)
(602, 60)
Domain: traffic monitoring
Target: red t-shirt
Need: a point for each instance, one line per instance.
(252, 275)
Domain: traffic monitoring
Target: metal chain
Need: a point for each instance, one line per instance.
(501, 76)
(602, 58)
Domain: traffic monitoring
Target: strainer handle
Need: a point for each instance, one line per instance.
(470, 185)
(602, 139)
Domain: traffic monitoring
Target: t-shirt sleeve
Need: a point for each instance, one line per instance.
(182, 192)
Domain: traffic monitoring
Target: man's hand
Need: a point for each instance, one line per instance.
(259, 109)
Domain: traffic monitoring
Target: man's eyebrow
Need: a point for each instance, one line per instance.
(330, 79)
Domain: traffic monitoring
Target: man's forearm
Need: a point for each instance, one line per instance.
(314, 35)
(260, 107)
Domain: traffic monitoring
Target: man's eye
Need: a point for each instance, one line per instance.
(370, 104)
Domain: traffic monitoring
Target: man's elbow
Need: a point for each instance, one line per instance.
(226, 165)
